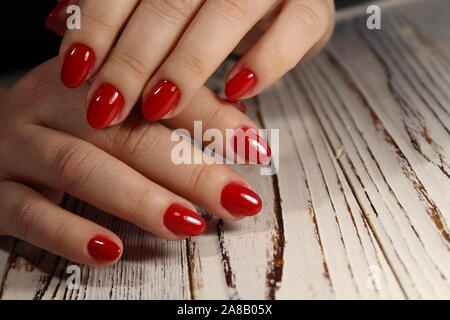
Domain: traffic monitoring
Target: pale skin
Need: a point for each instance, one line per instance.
(48, 148)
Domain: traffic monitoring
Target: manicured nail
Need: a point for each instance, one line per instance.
(240, 201)
(56, 20)
(106, 104)
(183, 222)
(250, 146)
(162, 99)
(103, 249)
(77, 65)
(240, 84)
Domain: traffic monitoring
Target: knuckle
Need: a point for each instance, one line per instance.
(233, 10)
(181, 7)
(137, 215)
(96, 20)
(214, 116)
(138, 138)
(191, 63)
(125, 59)
(200, 174)
(37, 86)
(73, 164)
(26, 215)
(310, 18)
(172, 11)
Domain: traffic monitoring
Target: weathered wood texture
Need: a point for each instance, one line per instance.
(360, 206)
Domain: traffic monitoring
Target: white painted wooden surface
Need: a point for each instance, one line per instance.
(360, 207)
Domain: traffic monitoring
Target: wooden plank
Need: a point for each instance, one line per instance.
(345, 248)
(240, 260)
(150, 269)
(359, 208)
(413, 211)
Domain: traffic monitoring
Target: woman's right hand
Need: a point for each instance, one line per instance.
(48, 148)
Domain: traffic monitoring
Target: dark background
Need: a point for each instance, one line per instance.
(26, 43)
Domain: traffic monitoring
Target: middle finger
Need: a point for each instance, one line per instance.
(150, 34)
(215, 31)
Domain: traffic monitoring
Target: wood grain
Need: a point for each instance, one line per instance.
(359, 207)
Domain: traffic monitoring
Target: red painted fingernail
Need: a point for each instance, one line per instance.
(106, 104)
(240, 201)
(163, 98)
(240, 84)
(77, 65)
(56, 20)
(103, 249)
(250, 146)
(184, 222)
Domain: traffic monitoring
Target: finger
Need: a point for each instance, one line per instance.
(57, 19)
(169, 160)
(67, 163)
(215, 31)
(150, 35)
(84, 50)
(146, 147)
(300, 25)
(328, 33)
(206, 114)
(29, 216)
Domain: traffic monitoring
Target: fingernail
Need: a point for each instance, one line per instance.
(162, 99)
(250, 146)
(240, 105)
(240, 201)
(56, 20)
(77, 65)
(240, 84)
(106, 104)
(103, 249)
(183, 222)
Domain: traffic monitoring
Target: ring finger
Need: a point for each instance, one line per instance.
(64, 162)
(150, 35)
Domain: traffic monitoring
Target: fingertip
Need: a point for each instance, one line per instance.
(104, 249)
(105, 105)
(240, 84)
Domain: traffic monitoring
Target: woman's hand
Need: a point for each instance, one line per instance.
(127, 170)
(163, 51)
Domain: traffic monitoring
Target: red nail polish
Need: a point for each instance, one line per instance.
(240, 201)
(103, 249)
(250, 146)
(163, 98)
(77, 65)
(106, 104)
(240, 84)
(183, 222)
(56, 20)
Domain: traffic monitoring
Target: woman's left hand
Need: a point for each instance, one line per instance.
(163, 51)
